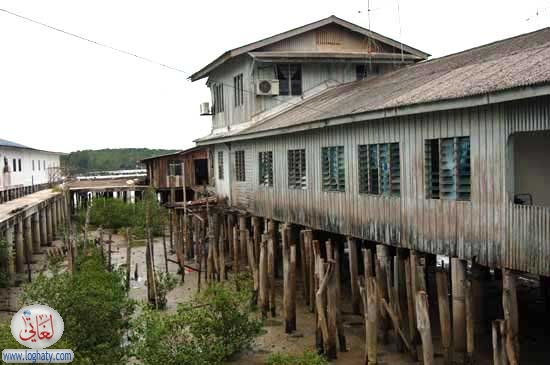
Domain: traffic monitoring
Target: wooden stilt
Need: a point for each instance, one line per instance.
(164, 248)
(326, 271)
(243, 233)
(264, 292)
(372, 320)
(424, 327)
(310, 263)
(354, 275)
(236, 258)
(303, 267)
(271, 244)
(339, 321)
(458, 277)
(410, 302)
(381, 268)
(499, 340)
(510, 305)
(253, 267)
(400, 289)
(221, 252)
(444, 313)
(128, 258)
(290, 318)
(470, 344)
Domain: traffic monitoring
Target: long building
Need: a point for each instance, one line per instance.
(25, 170)
(445, 156)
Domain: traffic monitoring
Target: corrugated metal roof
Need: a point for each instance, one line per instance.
(511, 63)
(6, 143)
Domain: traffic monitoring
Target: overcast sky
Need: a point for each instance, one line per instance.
(61, 93)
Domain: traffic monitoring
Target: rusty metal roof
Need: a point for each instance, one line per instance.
(504, 65)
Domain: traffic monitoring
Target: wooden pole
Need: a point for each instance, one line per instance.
(271, 244)
(424, 327)
(372, 320)
(236, 258)
(221, 252)
(470, 344)
(444, 313)
(171, 221)
(253, 266)
(354, 276)
(382, 270)
(510, 305)
(458, 278)
(310, 263)
(290, 319)
(339, 321)
(303, 267)
(499, 340)
(411, 292)
(128, 258)
(243, 232)
(332, 294)
(292, 285)
(326, 271)
(164, 247)
(264, 292)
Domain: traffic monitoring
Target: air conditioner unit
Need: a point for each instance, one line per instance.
(205, 109)
(267, 87)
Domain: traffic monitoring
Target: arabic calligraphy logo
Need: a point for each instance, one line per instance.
(37, 326)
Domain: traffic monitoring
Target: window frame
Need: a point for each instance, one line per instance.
(238, 90)
(265, 169)
(290, 90)
(297, 173)
(438, 181)
(174, 166)
(218, 98)
(220, 165)
(240, 166)
(333, 177)
(374, 179)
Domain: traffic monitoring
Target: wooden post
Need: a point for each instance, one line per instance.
(289, 308)
(424, 327)
(110, 253)
(354, 275)
(271, 244)
(164, 247)
(511, 317)
(367, 263)
(253, 266)
(326, 272)
(243, 232)
(410, 301)
(499, 340)
(382, 270)
(470, 344)
(221, 252)
(372, 320)
(264, 293)
(236, 258)
(339, 321)
(128, 258)
(292, 285)
(310, 263)
(444, 313)
(303, 267)
(458, 277)
(332, 304)
(257, 238)
(171, 221)
(400, 289)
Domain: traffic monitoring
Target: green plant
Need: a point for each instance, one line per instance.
(164, 283)
(307, 358)
(55, 264)
(93, 303)
(209, 329)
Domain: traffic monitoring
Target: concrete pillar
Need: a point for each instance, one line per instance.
(43, 227)
(36, 233)
(19, 247)
(54, 218)
(27, 226)
(9, 251)
(49, 224)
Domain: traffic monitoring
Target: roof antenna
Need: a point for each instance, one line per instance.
(400, 37)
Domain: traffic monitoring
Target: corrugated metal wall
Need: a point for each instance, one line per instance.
(488, 228)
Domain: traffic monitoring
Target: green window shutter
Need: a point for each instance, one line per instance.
(395, 169)
(363, 153)
(464, 169)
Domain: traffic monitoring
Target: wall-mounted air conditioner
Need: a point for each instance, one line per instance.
(267, 87)
(205, 109)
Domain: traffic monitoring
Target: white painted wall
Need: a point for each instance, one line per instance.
(28, 175)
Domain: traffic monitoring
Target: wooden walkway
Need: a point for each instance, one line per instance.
(24, 206)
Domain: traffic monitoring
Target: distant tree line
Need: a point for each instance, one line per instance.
(108, 159)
